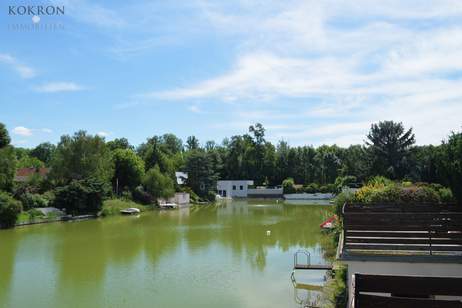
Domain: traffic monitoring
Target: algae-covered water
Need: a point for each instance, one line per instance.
(202, 256)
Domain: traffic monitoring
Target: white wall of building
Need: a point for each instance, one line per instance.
(231, 189)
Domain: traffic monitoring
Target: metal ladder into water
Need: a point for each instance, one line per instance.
(306, 301)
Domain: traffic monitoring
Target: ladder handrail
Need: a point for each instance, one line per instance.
(306, 253)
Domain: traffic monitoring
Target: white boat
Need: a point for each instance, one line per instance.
(130, 211)
(168, 205)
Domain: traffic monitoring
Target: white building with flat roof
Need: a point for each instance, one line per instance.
(233, 188)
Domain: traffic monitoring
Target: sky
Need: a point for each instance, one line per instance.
(312, 72)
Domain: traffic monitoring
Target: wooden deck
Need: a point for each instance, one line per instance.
(322, 267)
(392, 229)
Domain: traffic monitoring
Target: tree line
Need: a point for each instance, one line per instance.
(88, 165)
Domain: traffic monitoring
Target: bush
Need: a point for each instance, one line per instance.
(30, 201)
(288, 186)
(113, 206)
(379, 192)
(379, 181)
(344, 181)
(142, 196)
(335, 291)
(81, 196)
(9, 210)
(34, 213)
(211, 196)
(311, 188)
(446, 195)
(341, 199)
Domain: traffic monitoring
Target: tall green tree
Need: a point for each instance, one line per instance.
(9, 210)
(192, 143)
(44, 152)
(82, 156)
(7, 160)
(450, 164)
(158, 184)
(424, 164)
(328, 160)
(390, 145)
(4, 136)
(155, 155)
(128, 170)
(119, 143)
(202, 176)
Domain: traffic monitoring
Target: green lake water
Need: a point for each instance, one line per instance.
(202, 256)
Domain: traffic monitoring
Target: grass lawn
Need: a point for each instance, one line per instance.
(113, 206)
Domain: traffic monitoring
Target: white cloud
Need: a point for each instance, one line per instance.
(47, 130)
(22, 131)
(103, 134)
(194, 109)
(23, 70)
(59, 86)
(352, 64)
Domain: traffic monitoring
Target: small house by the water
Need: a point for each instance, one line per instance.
(245, 189)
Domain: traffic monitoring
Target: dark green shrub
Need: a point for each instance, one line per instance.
(344, 181)
(312, 188)
(142, 196)
(446, 195)
(81, 196)
(30, 201)
(9, 210)
(341, 199)
(211, 196)
(288, 186)
(331, 188)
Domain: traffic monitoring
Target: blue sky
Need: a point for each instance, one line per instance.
(312, 72)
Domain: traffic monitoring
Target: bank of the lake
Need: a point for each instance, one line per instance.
(203, 256)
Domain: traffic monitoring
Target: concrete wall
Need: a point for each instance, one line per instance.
(178, 198)
(265, 193)
(306, 196)
(401, 269)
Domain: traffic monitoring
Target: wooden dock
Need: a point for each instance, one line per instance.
(321, 267)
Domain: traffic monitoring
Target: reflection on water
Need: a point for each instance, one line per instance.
(202, 256)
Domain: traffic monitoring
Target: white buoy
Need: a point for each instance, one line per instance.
(268, 233)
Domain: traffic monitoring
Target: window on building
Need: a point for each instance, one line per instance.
(234, 187)
(241, 187)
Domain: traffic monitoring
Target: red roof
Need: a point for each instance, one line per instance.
(31, 171)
